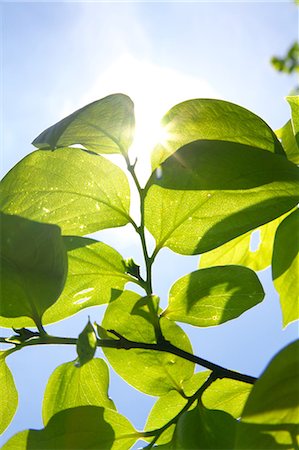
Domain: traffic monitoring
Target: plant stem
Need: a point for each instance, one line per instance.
(126, 344)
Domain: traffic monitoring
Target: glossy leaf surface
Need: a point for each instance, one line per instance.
(152, 372)
(212, 119)
(214, 295)
(291, 148)
(104, 126)
(81, 428)
(210, 192)
(273, 402)
(33, 267)
(8, 394)
(241, 251)
(70, 386)
(285, 266)
(81, 193)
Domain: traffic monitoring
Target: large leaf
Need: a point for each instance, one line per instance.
(70, 386)
(8, 394)
(33, 267)
(152, 372)
(273, 402)
(285, 266)
(104, 126)
(286, 135)
(81, 193)
(239, 250)
(294, 104)
(95, 272)
(214, 295)
(210, 192)
(81, 428)
(212, 119)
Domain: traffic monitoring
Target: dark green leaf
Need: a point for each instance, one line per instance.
(210, 192)
(214, 120)
(81, 428)
(86, 345)
(71, 386)
(104, 126)
(81, 193)
(8, 394)
(33, 267)
(152, 372)
(215, 295)
(285, 266)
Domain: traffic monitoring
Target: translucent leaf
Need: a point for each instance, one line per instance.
(210, 192)
(152, 372)
(8, 395)
(242, 251)
(294, 104)
(104, 126)
(214, 295)
(286, 135)
(273, 402)
(212, 119)
(285, 266)
(81, 193)
(70, 386)
(81, 428)
(95, 272)
(86, 345)
(33, 267)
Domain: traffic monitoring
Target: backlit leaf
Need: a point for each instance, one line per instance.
(285, 266)
(33, 267)
(212, 119)
(70, 386)
(81, 428)
(81, 193)
(286, 135)
(214, 295)
(8, 395)
(86, 345)
(104, 126)
(294, 104)
(152, 372)
(210, 192)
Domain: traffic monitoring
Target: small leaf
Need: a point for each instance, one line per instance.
(286, 135)
(212, 119)
(210, 192)
(215, 295)
(104, 126)
(8, 394)
(152, 372)
(71, 386)
(285, 266)
(273, 402)
(81, 193)
(33, 267)
(86, 345)
(294, 104)
(81, 428)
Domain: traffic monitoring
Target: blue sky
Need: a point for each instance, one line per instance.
(59, 56)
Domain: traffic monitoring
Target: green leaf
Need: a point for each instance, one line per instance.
(210, 192)
(285, 266)
(214, 295)
(286, 135)
(81, 428)
(204, 429)
(152, 372)
(169, 405)
(33, 267)
(81, 193)
(104, 126)
(70, 386)
(293, 101)
(273, 402)
(238, 250)
(214, 120)
(8, 394)
(86, 345)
